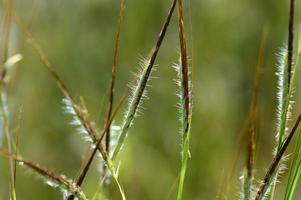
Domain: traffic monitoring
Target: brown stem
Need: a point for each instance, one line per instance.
(184, 67)
(113, 78)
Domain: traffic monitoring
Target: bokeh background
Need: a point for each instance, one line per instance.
(78, 36)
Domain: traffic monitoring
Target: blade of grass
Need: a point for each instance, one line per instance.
(139, 90)
(273, 167)
(294, 172)
(286, 85)
(185, 100)
(4, 40)
(113, 78)
(288, 62)
(248, 178)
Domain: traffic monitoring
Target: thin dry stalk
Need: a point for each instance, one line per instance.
(253, 118)
(139, 89)
(80, 112)
(113, 78)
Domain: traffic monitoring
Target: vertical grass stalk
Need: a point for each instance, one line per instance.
(248, 176)
(185, 104)
(295, 170)
(139, 90)
(286, 76)
(4, 42)
(113, 78)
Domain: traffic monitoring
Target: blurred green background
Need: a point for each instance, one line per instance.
(78, 36)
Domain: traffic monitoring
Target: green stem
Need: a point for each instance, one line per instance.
(185, 156)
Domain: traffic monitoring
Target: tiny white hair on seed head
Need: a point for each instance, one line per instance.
(137, 96)
(68, 108)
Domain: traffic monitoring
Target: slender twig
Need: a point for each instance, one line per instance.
(80, 112)
(276, 161)
(139, 90)
(113, 78)
(253, 118)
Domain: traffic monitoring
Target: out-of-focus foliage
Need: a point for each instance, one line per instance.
(78, 36)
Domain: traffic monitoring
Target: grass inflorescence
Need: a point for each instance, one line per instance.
(107, 141)
(185, 99)
(100, 140)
